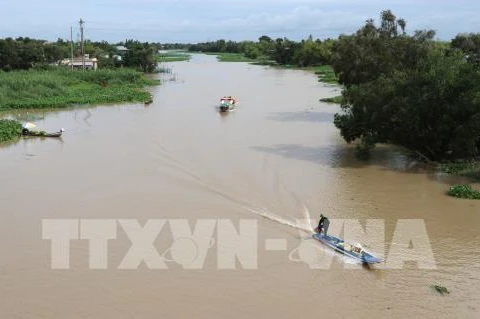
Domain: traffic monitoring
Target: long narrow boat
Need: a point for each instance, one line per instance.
(42, 134)
(356, 252)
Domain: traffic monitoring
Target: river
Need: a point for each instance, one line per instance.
(275, 161)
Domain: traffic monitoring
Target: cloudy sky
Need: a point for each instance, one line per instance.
(208, 20)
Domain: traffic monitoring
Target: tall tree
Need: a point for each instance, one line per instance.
(407, 90)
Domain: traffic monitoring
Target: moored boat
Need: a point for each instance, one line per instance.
(42, 133)
(354, 251)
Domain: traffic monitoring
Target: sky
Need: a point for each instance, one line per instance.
(192, 21)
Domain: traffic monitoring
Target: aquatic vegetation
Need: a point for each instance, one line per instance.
(263, 60)
(440, 289)
(9, 130)
(232, 57)
(457, 167)
(470, 169)
(173, 56)
(164, 69)
(336, 99)
(63, 87)
(463, 191)
(326, 74)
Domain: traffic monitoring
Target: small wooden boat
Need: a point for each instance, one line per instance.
(42, 133)
(354, 251)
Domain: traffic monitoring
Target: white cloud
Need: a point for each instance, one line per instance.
(198, 20)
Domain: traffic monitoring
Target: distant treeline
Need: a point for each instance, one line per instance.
(25, 53)
(309, 52)
(282, 50)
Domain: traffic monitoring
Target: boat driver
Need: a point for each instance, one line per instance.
(323, 225)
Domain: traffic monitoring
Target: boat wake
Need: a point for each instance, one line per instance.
(184, 169)
(300, 224)
(304, 224)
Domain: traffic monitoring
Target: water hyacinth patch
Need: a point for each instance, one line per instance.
(58, 88)
(463, 191)
(9, 130)
(441, 289)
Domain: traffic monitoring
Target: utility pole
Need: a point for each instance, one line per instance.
(81, 22)
(71, 46)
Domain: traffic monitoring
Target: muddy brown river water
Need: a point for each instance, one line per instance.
(257, 173)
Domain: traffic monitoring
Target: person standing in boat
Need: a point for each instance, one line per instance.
(323, 225)
(25, 129)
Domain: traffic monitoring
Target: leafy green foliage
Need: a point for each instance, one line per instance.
(22, 53)
(469, 44)
(314, 52)
(25, 53)
(281, 51)
(463, 191)
(373, 51)
(142, 56)
(9, 130)
(406, 91)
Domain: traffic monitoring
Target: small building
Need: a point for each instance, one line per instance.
(77, 63)
(121, 50)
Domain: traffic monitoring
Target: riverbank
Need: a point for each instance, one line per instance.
(59, 87)
(173, 56)
(325, 72)
(230, 57)
(469, 170)
(334, 100)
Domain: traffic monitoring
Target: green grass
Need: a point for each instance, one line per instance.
(336, 99)
(10, 130)
(231, 57)
(173, 56)
(325, 74)
(62, 87)
(463, 191)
